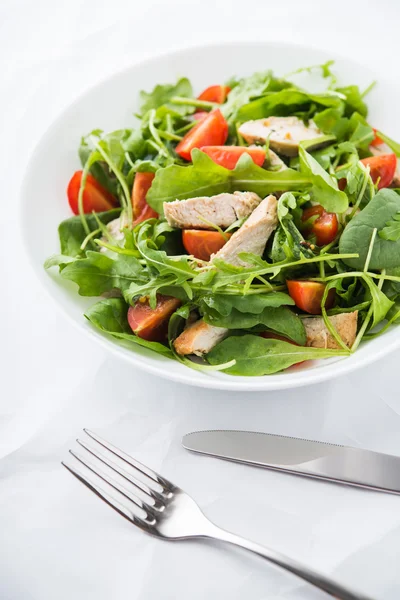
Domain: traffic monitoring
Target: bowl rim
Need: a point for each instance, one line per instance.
(185, 375)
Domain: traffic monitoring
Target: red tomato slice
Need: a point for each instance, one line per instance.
(210, 131)
(202, 243)
(152, 323)
(228, 156)
(382, 168)
(199, 115)
(95, 197)
(141, 210)
(325, 227)
(377, 141)
(307, 295)
(215, 93)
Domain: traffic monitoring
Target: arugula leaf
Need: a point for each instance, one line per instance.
(72, 233)
(110, 316)
(280, 319)
(97, 273)
(394, 146)
(331, 121)
(354, 100)
(162, 94)
(356, 236)
(324, 188)
(257, 356)
(205, 178)
(392, 229)
(245, 89)
(359, 185)
(380, 302)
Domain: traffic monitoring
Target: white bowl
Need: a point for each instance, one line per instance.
(109, 105)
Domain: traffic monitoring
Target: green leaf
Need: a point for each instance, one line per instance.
(162, 94)
(392, 229)
(280, 319)
(285, 103)
(362, 135)
(354, 101)
(253, 304)
(380, 302)
(331, 121)
(110, 316)
(257, 356)
(247, 88)
(97, 273)
(357, 235)
(395, 146)
(324, 188)
(206, 178)
(72, 233)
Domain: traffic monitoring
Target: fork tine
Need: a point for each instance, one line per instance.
(132, 462)
(149, 510)
(108, 499)
(139, 485)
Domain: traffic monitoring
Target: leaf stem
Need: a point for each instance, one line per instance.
(370, 249)
(193, 102)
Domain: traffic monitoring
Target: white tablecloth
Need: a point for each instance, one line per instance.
(57, 541)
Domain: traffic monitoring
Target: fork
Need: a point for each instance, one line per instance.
(163, 510)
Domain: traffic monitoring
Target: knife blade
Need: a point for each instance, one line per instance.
(320, 460)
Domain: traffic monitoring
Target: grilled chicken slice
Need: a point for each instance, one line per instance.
(284, 133)
(384, 149)
(253, 235)
(318, 335)
(204, 212)
(199, 338)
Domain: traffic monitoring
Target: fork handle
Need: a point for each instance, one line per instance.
(320, 581)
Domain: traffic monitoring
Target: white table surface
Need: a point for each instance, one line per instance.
(57, 541)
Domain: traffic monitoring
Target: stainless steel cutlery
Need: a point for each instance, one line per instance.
(157, 506)
(341, 464)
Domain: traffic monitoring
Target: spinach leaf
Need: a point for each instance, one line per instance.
(284, 103)
(205, 178)
(253, 304)
(324, 188)
(97, 273)
(162, 94)
(280, 319)
(357, 235)
(257, 356)
(110, 316)
(392, 230)
(72, 233)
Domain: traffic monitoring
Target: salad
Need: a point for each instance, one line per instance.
(246, 229)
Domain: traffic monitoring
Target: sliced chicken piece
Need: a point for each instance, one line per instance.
(284, 133)
(204, 212)
(253, 235)
(318, 335)
(199, 338)
(384, 149)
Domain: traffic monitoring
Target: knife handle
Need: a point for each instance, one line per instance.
(316, 579)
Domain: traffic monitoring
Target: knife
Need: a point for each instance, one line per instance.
(320, 460)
